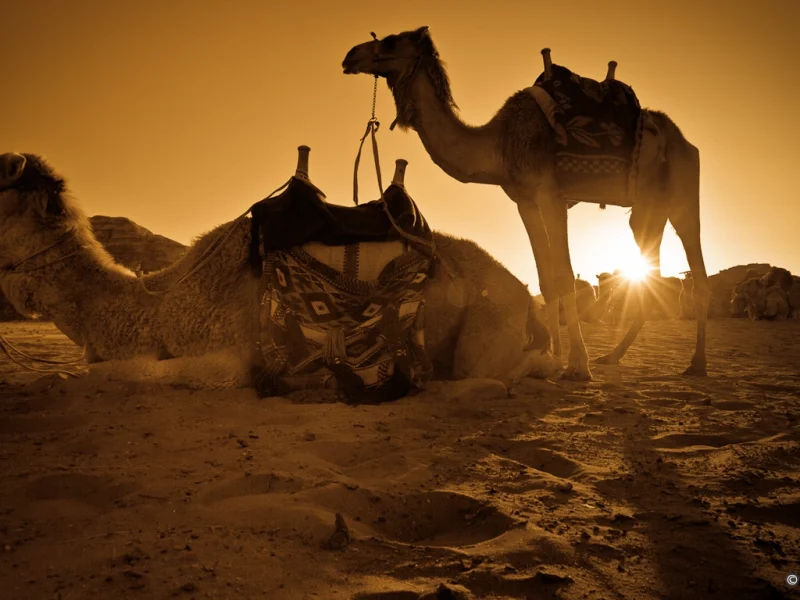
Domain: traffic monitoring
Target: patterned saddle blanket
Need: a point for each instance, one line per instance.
(598, 128)
(342, 298)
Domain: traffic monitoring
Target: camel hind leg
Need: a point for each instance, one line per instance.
(647, 222)
(687, 227)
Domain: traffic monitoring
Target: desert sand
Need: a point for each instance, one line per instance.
(640, 484)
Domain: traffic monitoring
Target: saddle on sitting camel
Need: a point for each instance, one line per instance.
(341, 294)
(598, 128)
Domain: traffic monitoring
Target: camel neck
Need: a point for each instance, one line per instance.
(468, 154)
(94, 302)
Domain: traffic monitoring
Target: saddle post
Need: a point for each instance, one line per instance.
(399, 172)
(548, 64)
(612, 69)
(302, 162)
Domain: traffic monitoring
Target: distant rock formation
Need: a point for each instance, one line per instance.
(131, 245)
(134, 246)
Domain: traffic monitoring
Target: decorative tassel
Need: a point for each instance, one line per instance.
(334, 350)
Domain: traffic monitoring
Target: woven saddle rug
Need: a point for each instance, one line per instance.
(598, 128)
(342, 295)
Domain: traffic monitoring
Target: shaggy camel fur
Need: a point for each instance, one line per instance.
(516, 150)
(477, 324)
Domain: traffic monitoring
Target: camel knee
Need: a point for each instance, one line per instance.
(549, 292)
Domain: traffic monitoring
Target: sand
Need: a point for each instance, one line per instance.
(641, 484)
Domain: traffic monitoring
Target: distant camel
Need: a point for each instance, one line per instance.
(685, 297)
(516, 151)
(794, 297)
(592, 306)
(208, 324)
(768, 297)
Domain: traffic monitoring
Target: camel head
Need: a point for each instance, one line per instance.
(391, 56)
(33, 211)
(398, 58)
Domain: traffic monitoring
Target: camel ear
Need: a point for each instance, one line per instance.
(11, 167)
(421, 32)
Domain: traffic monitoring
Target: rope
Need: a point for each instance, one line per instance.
(4, 342)
(372, 128)
(206, 255)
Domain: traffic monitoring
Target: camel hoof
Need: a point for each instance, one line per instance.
(608, 359)
(576, 374)
(693, 371)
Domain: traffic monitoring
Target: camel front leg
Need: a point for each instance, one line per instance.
(554, 214)
(537, 234)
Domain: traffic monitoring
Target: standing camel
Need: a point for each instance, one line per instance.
(516, 150)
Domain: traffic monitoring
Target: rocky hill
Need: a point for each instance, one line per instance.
(130, 244)
(134, 246)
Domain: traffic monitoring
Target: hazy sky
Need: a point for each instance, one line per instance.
(180, 114)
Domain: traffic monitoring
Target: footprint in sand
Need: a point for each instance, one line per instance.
(398, 595)
(787, 514)
(735, 405)
(534, 454)
(676, 441)
(40, 424)
(685, 395)
(542, 459)
(439, 519)
(98, 492)
(254, 485)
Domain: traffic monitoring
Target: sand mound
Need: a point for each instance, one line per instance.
(641, 484)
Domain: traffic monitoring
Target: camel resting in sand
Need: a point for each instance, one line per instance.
(202, 331)
(592, 304)
(768, 297)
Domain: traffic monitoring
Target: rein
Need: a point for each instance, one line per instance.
(372, 128)
(16, 267)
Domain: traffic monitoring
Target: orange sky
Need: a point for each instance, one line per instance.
(180, 114)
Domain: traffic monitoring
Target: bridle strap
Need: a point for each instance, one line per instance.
(19, 268)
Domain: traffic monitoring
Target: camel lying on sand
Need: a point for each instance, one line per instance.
(769, 297)
(202, 331)
(592, 304)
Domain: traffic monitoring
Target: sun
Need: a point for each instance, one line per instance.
(637, 268)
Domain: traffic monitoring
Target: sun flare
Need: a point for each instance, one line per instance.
(637, 268)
